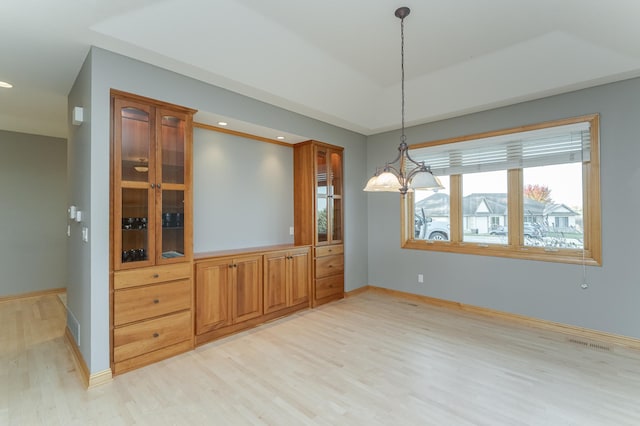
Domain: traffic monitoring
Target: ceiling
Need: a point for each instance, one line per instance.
(337, 61)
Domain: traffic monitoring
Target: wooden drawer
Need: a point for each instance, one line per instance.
(150, 301)
(331, 286)
(147, 336)
(329, 250)
(155, 274)
(329, 265)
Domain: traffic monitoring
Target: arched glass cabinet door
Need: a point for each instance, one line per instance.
(134, 197)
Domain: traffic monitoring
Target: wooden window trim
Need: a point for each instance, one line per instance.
(515, 248)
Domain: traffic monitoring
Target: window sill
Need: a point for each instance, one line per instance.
(570, 256)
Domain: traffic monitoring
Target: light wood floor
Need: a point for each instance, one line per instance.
(367, 360)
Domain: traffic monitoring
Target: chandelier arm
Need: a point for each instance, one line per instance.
(415, 171)
(397, 159)
(417, 163)
(393, 170)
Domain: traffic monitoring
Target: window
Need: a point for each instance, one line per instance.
(531, 192)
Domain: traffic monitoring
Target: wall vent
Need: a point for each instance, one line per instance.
(590, 345)
(74, 326)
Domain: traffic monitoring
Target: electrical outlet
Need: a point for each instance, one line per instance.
(420, 278)
(291, 230)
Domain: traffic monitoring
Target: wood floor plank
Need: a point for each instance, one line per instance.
(369, 359)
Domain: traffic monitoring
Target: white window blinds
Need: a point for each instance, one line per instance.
(552, 145)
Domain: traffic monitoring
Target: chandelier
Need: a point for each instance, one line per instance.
(403, 174)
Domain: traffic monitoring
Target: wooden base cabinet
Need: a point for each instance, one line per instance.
(286, 279)
(252, 286)
(329, 273)
(228, 291)
(152, 316)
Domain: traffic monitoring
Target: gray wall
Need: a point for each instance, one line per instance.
(242, 192)
(543, 290)
(33, 190)
(79, 177)
(108, 70)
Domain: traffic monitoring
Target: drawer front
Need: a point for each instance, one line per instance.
(155, 274)
(329, 250)
(147, 336)
(140, 303)
(331, 286)
(329, 265)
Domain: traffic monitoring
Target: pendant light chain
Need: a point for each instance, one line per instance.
(403, 138)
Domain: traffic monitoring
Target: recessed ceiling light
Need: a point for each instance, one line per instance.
(6, 85)
(280, 137)
(222, 123)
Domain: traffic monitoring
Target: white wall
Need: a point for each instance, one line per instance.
(242, 192)
(33, 190)
(549, 291)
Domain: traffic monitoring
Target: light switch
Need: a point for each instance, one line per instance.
(79, 216)
(85, 234)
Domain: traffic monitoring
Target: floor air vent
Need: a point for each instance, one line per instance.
(590, 345)
(74, 326)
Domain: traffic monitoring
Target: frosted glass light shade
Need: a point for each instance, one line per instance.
(371, 184)
(386, 182)
(425, 180)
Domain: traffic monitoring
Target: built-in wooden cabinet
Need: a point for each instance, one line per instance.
(286, 279)
(318, 220)
(239, 290)
(151, 231)
(229, 291)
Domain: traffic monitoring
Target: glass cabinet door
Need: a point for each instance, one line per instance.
(336, 196)
(328, 196)
(322, 197)
(134, 147)
(172, 142)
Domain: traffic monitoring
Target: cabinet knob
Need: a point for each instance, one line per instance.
(156, 301)
(153, 185)
(156, 275)
(158, 185)
(230, 265)
(156, 335)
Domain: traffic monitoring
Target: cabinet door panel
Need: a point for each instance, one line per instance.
(173, 141)
(212, 296)
(247, 300)
(134, 128)
(299, 278)
(275, 282)
(171, 247)
(134, 248)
